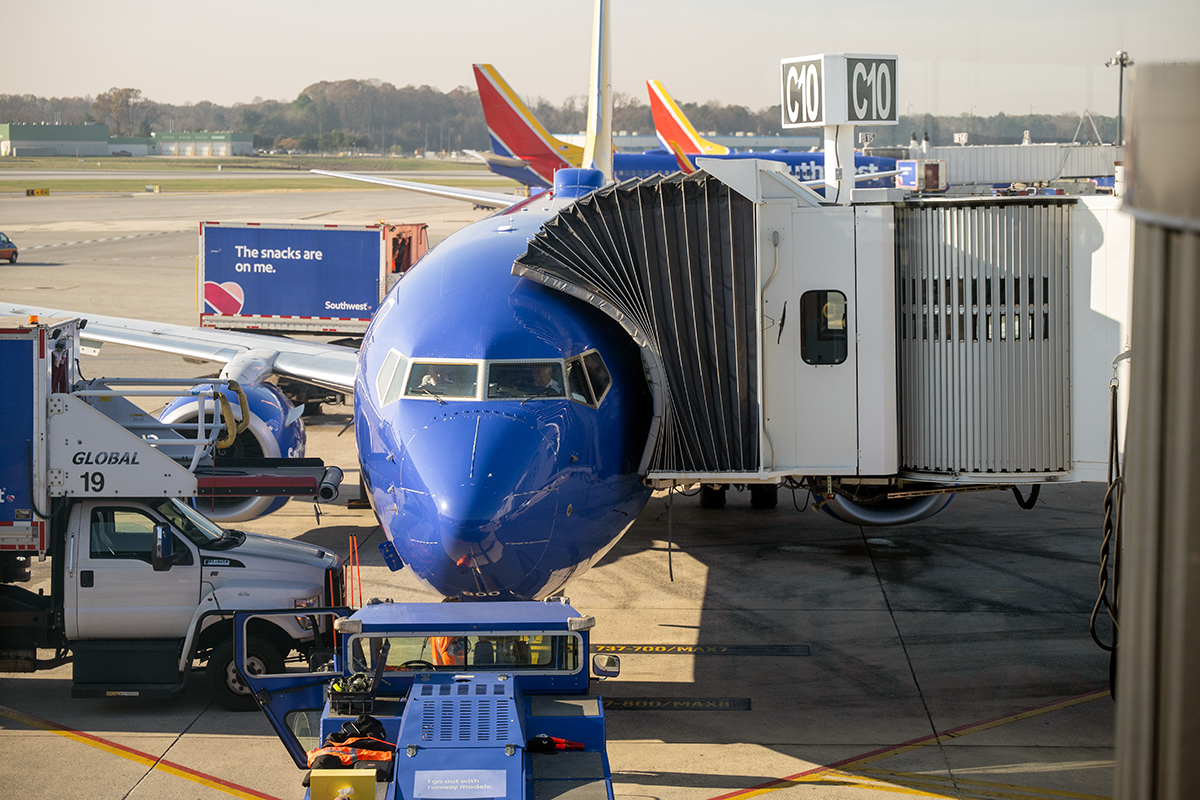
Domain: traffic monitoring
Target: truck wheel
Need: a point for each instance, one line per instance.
(764, 495)
(262, 658)
(711, 497)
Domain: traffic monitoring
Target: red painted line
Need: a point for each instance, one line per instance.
(875, 755)
(26, 718)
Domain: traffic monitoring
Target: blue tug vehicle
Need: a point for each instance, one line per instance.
(442, 700)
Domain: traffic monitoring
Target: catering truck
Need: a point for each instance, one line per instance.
(444, 700)
(325, 279)
(142, 586)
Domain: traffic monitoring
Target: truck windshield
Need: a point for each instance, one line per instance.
(531, 652)
(191, 523)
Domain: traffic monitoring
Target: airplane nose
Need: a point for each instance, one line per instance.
(482, 472)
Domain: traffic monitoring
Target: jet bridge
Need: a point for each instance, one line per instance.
(886, 341)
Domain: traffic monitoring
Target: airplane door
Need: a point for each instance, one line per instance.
(118, 593)
(293, 700)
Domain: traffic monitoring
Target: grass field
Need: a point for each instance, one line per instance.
(298, 163)
(249, 184)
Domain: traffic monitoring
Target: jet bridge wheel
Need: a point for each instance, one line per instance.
(764, 495)
(262, 658)
(712, 496)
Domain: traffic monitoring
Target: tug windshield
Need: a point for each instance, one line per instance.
(530, 652)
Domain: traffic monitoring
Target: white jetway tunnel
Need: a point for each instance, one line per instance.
(869, 344)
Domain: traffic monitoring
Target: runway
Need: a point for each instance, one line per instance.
(790, 655)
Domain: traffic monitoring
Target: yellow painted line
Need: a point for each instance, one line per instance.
(137, 756)
(1011, 791)
(878, 755)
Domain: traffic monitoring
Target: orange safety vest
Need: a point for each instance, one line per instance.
(449, 651)
(349, 753)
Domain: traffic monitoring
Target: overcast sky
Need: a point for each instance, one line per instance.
(955, 56)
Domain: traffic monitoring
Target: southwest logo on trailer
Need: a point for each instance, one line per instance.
(224, 298)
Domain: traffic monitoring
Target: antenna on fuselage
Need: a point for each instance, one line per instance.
(598, 150)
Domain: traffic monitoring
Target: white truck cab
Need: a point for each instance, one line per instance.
(134, 619)
(143, 584)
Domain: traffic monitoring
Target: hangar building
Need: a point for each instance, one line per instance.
(53, 140)
(204, 143)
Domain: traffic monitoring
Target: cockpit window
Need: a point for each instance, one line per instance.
(588, 379)
(581, 391)
(436, 381)
(525, 379)
(391, 377)
(597, 374)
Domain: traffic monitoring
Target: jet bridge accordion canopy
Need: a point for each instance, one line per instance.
(672, 260)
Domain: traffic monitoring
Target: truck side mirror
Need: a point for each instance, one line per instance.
(164, 548)
(605, 665)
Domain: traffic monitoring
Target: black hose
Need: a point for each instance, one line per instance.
(1030, 501)
(1110, 548)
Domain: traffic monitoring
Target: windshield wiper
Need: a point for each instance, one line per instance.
(544, 391)
(229, 540)
(431, 393)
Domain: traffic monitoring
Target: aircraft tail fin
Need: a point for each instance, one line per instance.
(672, 126)
(516, 133)
(598, 149)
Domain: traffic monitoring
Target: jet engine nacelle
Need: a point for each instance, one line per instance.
(275, 431)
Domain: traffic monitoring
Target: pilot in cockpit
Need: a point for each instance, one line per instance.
(436, 377)
(544, 382)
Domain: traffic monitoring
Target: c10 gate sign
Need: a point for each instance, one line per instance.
(828, 89)
(299, 272)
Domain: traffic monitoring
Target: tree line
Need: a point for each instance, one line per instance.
(375, 116)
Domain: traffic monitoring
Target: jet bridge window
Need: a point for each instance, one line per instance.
(436, 381)
(588, 379)
(523, 380)
(823, 327)
(527, 652)
(391, 377)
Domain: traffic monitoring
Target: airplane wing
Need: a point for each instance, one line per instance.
(476, 196)
(327, 365)
(493, 158)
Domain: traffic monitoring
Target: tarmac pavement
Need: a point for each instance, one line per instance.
(764, 652)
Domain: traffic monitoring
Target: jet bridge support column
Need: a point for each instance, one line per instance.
(839, 164)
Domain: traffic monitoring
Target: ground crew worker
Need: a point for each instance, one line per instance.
(449, 651)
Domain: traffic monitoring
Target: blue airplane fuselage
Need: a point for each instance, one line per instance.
(801, 166)
(497, 497)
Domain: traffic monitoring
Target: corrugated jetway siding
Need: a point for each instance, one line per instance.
(1025, 162)
(984, 338)
(673, 261)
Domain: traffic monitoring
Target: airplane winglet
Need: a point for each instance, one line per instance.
(598, 151)
(685, 164)
(672, 125)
